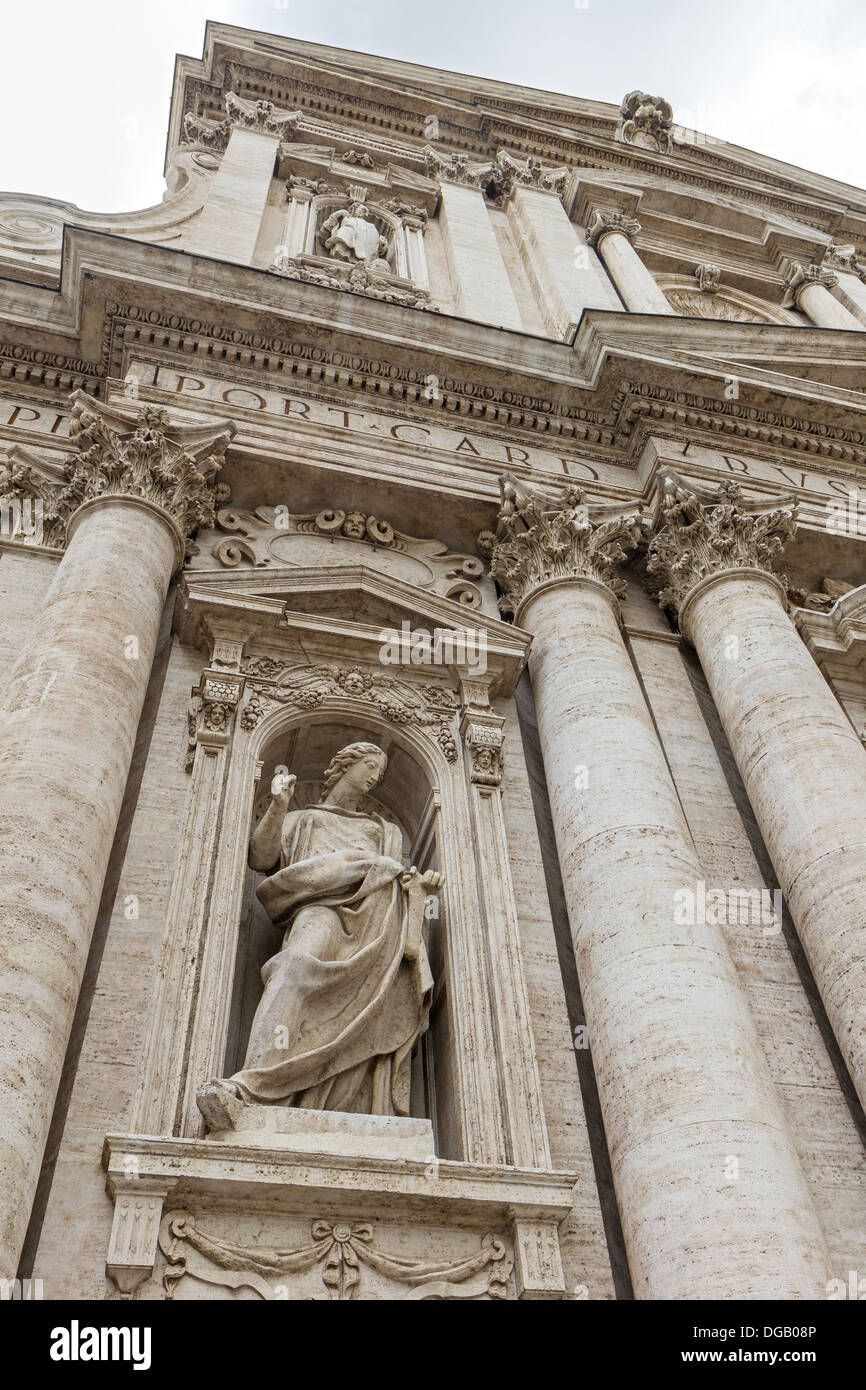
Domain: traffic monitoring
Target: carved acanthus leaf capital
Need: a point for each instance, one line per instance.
(844, 257)
(603, 222)
(541, 538)
(457, 168)
(702, 533)
(146, 455)
(799, 277)
(510, 172)
(248, 115)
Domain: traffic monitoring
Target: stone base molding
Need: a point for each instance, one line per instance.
(339, 1225)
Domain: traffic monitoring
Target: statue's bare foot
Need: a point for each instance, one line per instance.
(219, 1104)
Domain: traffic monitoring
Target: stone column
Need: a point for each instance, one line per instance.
(802, 763)
(482, 288)
(563, 269)
(610, 234)
(68, 720)
(229, 223)
(298, 235)
(710, 1190)
(809, 290)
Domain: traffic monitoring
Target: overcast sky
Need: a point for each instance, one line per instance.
(86, 85)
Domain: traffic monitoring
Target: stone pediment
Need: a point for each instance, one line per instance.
(276, 544)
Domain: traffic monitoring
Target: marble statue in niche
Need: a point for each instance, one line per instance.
(349, 235)
(348, 994)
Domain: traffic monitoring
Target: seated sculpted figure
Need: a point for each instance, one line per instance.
(347, 996)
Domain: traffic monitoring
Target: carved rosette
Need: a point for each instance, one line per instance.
(800, 277)
(603, 222)
(143, 455)
(540, 539)
(212, 708)
(702, 533)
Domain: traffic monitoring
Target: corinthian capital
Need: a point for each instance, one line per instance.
(142, 455)
(457, 168)
(540, 539)
(603, 223)
(799, 277)
(702, 533)
(249, 115)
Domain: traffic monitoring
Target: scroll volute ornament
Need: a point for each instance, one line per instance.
(541, 538)
(701, 532)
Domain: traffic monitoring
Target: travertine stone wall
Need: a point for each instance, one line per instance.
(584, 1251)
(481, 286)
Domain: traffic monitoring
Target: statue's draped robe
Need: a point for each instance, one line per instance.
(363, 1003)
(359, 236)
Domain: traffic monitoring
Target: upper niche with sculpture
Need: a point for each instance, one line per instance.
(350, 235)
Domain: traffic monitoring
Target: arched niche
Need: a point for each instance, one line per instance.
(410, 795)
(733, 305)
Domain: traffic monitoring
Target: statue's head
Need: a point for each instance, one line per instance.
(359, 765)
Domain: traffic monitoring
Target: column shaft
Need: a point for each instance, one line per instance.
(68, 721)
(804, 770)
(824, 309)
(710, 1189)
(635, 284)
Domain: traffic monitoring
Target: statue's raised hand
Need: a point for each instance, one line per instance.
(282, 787)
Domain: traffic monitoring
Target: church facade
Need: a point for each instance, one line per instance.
(433, 704)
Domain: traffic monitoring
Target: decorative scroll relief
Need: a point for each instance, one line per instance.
(248, 115)
(702, 532)
(272, 683)
(647, 122)
(341, 1261)
(540, 538)
(357, 279)
(332, 537)
(141, 454)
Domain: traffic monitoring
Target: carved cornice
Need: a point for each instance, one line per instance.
(142, 455)
(602, 223)
(702, 532)
(540, 539)
(800, 277)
